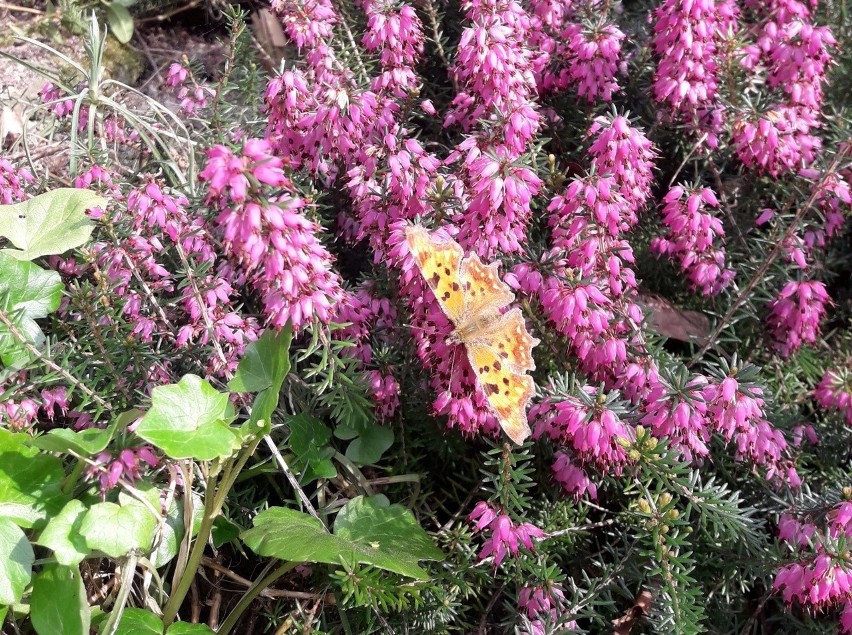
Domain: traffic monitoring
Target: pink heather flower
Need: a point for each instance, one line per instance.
(13, 183)
(799, 57)
(60, 107)
(129, 464)
(691, 236)
(834, 200)
(501, 189)
(19, 415)
(627, 154)
(794, 317)
(395, 31)
(493, 67)
(272, 242)
(53, 398)
(594, 60)
(777, 141)
(846, 618)
(676, 411)
(834, 392)
(573, 479)
(505, 536)
(177, 75)
(371, 319)
(734, 406)
(687, 37)
(584, 424)
(307, 23)
(597, 199)
(802, 433)
(820, 576)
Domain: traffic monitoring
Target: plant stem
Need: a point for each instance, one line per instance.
(73, 477)
(127, 574)
(254, 590)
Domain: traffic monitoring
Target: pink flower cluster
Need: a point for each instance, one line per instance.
(193, 97)
(505, 536)
(687, 38)
(797, 56)
(834, 392)
(691, 238)
(276, 248)
(540, 604)
(13, 183)
(821, 574)
(795, 315)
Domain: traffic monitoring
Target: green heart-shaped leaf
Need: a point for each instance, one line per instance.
(49, 224)
(189, 420)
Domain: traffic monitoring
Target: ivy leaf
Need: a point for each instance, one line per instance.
(116, 530)
(58, 605)
(139, 622)
(63, 536)
(29, 482)
(16, 562)
(224, 531)
(189, 420)
(309, 438)
(49, 224)
(265, 363)
(396, 546)
(372, 442)
(27, 293)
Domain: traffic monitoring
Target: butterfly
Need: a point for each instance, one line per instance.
(498, 345)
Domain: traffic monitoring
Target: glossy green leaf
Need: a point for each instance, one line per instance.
(184, 628)
(84, 443)
(116, 530)
(58, 604)
(371, 444)
(309, 439)
(190, 420)
(224, 531)
(120, 22)
(173, 530)
(27, 293)
(16, 562)
(49, 224)
(393, 527)
(62, 534)
(29, 482)
(265, 363)
(397, 544)
(139, 622)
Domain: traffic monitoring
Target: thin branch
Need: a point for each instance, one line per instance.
(210, 563)
(24, 342)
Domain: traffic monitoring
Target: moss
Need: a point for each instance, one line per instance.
(122, 63)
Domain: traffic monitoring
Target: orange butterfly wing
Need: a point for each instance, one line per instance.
(439, 261)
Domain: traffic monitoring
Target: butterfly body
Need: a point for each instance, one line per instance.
(498, 345)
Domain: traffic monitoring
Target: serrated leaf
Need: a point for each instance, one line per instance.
(49, 224)
(58, 604)
(120, 22)
(27, 293)
(265, 362)
(29, 482)
(116, 530)
(291, 535)
(189, 420)
(16, 562)
(139, 622)
(62, 534)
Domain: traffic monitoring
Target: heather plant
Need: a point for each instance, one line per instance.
(233, 395)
